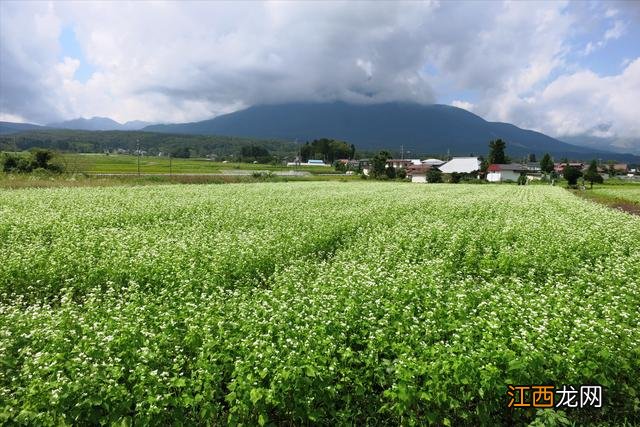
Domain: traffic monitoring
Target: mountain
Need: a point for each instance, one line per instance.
(10, 127)
(98, 123)
(422, 129)
(135, 125)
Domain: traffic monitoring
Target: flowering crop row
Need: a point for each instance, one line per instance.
(331, 303)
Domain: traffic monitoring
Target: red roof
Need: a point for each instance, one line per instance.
(516, 167)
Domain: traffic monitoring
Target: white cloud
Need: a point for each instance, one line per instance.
(610, 13)
(613, 33)
(190, 61)
(463, 104)
(582, 103)
(616, 31)
(176, 61)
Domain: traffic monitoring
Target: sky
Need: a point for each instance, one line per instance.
(568, 69)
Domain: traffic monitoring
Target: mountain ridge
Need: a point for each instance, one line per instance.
(434, 128)
(421, 129)
(98, 123)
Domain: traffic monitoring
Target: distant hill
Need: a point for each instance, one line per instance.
(98, 123)
(82, 141)
(434, 129)
(7, 128)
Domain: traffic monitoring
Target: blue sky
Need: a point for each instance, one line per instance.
(70, 47)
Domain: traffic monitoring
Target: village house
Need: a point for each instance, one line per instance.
(559, 167)
(402, 163)
(418, 173)
(461, 165)
(533, 167)
(621, 168)
(505, 172)
(433, 162)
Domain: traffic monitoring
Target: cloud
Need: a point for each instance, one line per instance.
(582, 104)
(173, 62)
(463, 104)
(613, 33)
(186, 61)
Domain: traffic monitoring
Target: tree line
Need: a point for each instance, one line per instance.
(328, 150)
(76, 141)
(34, 161)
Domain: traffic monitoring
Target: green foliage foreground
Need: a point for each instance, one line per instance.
(298, 303)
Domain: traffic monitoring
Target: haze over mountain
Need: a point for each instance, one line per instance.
(98, 123)
(419, 128)
(11, 127)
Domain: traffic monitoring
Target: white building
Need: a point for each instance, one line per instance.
(310, 162)
(508, 172)
(433, 162)
(461, 165)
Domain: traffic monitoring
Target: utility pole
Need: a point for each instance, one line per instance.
(138, 151)
(402, 151)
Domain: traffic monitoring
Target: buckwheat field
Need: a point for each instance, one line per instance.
(313, 303)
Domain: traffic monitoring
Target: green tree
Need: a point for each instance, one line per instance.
(496, 152)
(390, 172)
(401, 173)
(434, 175)
(532, 158)
(455, 177)
(592, 174)
(40, 158)
(546, 164)
(181, 152)
(9, 162)
(484, 165)
(571, 174)
(255, 153)
(378, 164)
(328, 150)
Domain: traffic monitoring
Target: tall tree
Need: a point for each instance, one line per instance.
(532, 157)
(390, 172)
(378, 164)
(496, 152)
(434, 175)
(571, 174)
(546, 164)
(592, 174)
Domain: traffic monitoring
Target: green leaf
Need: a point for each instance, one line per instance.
(309, 371)
(255, 395)
(262, 419)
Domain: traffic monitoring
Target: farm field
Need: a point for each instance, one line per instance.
(628, 193)
(625, 197)
(127, 164)
(317, 302)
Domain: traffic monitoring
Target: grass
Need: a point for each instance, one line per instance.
(128, 164)
(20, 181)
(625, 197)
